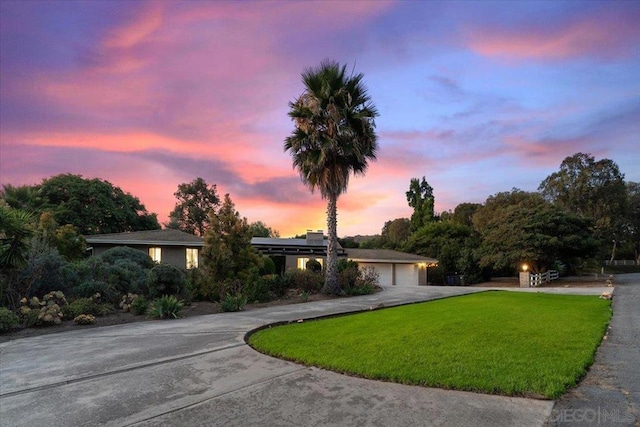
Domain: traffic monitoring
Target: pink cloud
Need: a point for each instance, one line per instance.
(611, 33)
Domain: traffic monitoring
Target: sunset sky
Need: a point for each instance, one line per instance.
(478, 97)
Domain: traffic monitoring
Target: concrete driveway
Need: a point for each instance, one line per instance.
(199, 372)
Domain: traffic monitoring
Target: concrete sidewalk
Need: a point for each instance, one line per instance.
(199, 372)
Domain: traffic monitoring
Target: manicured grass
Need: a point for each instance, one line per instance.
(509, 343)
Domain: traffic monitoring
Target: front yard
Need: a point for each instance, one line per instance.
(517, 344)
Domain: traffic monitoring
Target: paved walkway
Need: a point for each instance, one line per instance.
(609, 395)
(199, 372)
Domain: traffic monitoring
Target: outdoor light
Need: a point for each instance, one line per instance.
(525, 267)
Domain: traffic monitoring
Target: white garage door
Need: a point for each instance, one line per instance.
(406, 275)
(384, 270)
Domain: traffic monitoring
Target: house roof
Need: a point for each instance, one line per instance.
(166, 237)
(388, 256)
(276, 246)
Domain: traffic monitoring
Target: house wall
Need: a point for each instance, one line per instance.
(173, 255)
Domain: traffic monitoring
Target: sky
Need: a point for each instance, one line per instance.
(478, 97)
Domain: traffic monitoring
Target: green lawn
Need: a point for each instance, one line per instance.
(510, 343)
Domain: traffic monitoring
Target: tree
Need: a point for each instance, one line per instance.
(16, 228)
(420, 198)
(334, 136)
(24, 197)
(227, 252)
(452, 244)
(196, 200)
(521, 227)
(94, 206)
(395, 233)
(463, 213)
(260, 229)
(591, 189)
(632, 224)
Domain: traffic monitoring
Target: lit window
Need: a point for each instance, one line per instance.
(192, 258)
(155, 254)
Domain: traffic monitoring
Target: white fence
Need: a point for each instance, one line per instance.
(536, 280)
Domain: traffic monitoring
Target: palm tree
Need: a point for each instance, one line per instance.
(333, 137)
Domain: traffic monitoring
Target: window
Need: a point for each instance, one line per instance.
(192, 258)
(302, 262)
(155, 254)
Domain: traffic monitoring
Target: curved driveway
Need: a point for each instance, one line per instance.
(199, 372)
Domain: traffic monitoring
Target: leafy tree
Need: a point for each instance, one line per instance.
(334, 136)
(420, 198)
(94, 206)
(632, 223)
(395, 233)
(591, 189)
(463, 213)
(520, 227)
(260, 229)
(196, 200)
(227, 252)
(452, 244)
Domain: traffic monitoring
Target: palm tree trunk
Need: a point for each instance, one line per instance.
(331, 273)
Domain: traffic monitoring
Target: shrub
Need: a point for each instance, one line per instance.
(127, 301)
(111, 256)
(80, 306)
(44, 271)
(305, 280)
(165, 279)
(126, 276)
(257, 289)
(233, 303)
(165, 307)
(47, 311)
(84, 319)
(8, 320)
(348, 274)
(91, 287)
(139, 306)
(268, 266)
(314, 265)
(277, 285)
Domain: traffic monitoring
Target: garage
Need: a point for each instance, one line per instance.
(394, 268)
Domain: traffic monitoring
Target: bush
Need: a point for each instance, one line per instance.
(84, 319)
(80, 306)
(165, 307)
(268, 266)
(8, 320)
(139, 306)
(277, 285)
(348, 274)
(91, 287)
(305, 280)
(44, 271)
(48, 310)
(127, 301)
(119, 253)
(257, 290)
(314, 265)
(126, 276)
(165, 279)
(233, 303)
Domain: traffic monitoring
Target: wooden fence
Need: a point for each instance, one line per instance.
(536, 280)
